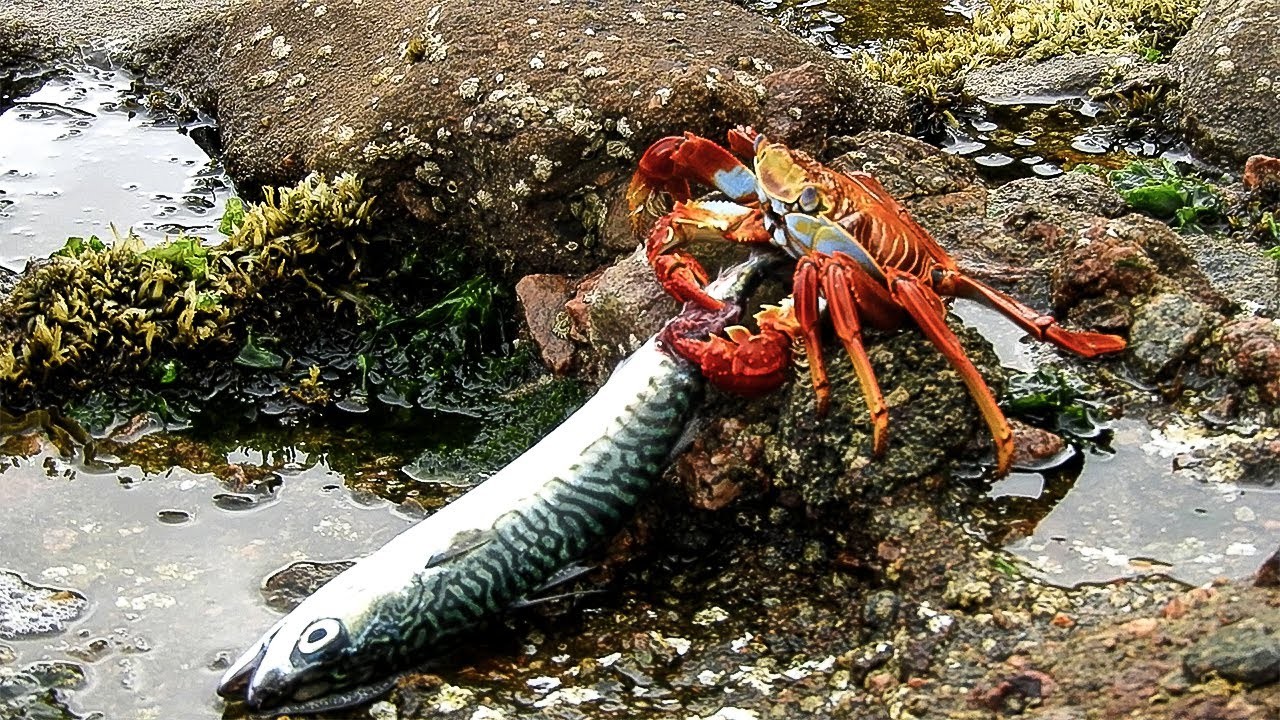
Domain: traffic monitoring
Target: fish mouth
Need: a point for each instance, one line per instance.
(235, 681)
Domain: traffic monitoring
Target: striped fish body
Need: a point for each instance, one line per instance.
(578, 487)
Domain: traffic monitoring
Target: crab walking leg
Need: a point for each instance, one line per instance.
(680, 274)
(805, 286)
(844, 282)
(1042, 327)
(926, 308)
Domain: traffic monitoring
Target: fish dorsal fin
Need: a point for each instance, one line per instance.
(462, 543)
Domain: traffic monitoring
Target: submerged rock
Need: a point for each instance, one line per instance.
(1165, 331)
(1230, 74)
(1021, 80)
(1246, 652)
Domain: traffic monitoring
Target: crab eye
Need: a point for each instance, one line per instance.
(319, 635)
(809, 198)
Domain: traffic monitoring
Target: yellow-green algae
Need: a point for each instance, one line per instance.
(98, 309)
(935, 60)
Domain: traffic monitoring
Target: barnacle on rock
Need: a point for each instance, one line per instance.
(97, 309)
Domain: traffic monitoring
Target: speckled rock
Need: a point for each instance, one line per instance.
(36, 691)
(1248, 351)
(616, 310)
(1247, 652)
(1105, 275)
(1261, 178)
(1230, 77)
(1165, 331)
(514, 126)
(931, 417)
(1238, 269)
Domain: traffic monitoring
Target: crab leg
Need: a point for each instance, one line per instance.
(844, 282)
(1042, 327)
(926, 308)
(679, 272)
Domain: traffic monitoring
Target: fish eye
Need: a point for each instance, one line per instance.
(319, 635)
(809, 198)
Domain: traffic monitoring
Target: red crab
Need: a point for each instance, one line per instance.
(855, 247)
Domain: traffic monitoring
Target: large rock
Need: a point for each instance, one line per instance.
(513, 125)
(1229, 65)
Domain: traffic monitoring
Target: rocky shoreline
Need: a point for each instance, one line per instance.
(780, 573)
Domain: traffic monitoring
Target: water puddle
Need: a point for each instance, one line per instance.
(1126, 510)
(841, 26)
(1043, 136)
(93, 147)
(171, 569)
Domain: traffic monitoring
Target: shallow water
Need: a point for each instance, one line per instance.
(84, 152)
(172, 575)
(1125, 511)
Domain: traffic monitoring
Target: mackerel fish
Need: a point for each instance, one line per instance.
(489, 549)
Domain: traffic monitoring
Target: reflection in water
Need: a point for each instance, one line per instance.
(172, 576)
(83, 153)
(843, 26)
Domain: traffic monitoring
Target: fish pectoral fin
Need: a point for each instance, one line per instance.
(463, 543)
(562, 576)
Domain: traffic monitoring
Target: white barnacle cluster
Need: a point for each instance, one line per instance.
(405, 143)
(436, 48)
(543, 167)
(266, 78)
(578, 120)
(748, 80)
(280, 49)
(591, 65)
(713, 78)
(469, 88)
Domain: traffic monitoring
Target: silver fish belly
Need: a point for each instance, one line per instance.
(494, 545)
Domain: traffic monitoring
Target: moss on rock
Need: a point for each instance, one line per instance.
(96, 308)
(935, 59)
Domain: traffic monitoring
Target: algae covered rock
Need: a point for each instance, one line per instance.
(96, 310)
(513, 126)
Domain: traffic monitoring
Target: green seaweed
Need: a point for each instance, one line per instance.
(1159, 189)
(513, 423)
(99, 310)
(1052, 398)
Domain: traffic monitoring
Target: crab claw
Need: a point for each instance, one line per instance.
(656, 174)
(745, 363)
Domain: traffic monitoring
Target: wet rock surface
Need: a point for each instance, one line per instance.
(37, 690)
(1165, 331)
(1228, 73)
(514, 126)
(1246, 652)
(1064, 76)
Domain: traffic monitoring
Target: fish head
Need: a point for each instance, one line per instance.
(307, 662)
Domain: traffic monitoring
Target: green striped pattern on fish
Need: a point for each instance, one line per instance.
(548, 531)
